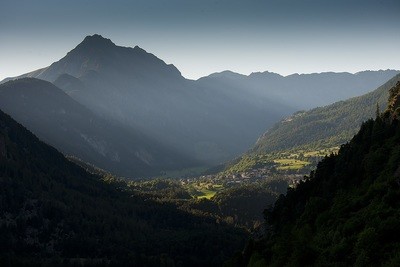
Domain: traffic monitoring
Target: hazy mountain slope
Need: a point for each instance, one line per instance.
(73, 129)
(211, 120)
(326, 126)
(347, 213)
(141, 91)
(300, 91)
(53, 213)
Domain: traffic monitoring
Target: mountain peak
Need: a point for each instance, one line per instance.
(225, 74)
(96, 40)
(265, 74)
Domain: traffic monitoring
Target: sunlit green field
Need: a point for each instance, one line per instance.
(207, 193)
(290, 164)
(204, 190)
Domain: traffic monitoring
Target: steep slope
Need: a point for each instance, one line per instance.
(326, 126)
(53, 213)
(64, 123)
(347, 212)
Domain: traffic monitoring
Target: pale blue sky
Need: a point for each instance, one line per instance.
(201, 37)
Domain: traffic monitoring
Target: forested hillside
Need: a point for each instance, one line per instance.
(324, 127)
(347, 212)
(297, 143)
(53, 213)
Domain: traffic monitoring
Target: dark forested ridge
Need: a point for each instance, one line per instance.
(347, 212)
(53, 213)
(72, 128)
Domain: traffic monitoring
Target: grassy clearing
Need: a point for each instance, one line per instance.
(204, 190)
(207, 193)
(290, 164)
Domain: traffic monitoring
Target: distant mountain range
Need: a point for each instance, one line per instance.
(300, 91)
(207, 121)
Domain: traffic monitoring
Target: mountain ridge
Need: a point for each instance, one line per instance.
(211, 120)
(301, 91)
(256, 73)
